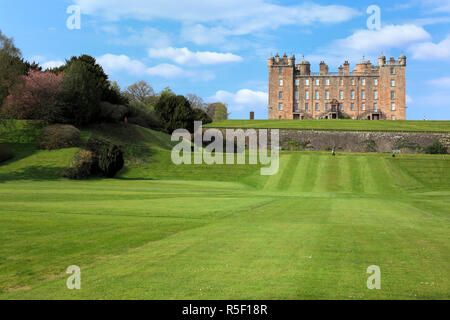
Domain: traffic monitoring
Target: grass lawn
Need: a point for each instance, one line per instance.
(160, 231)
(400, 125)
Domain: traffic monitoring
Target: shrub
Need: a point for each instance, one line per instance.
(143, 114)
(5, 153)
(371, 145)
(83, 165)
(436, 148)
(110, 156)
(293, 145)
(59, 136)
(112, 112)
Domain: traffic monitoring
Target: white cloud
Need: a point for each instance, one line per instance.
(211, 21)
(185, 56)
(242, 99)
(165, 70)
(443, 82)
(148, 37)
(430, 50)
(122, 63)
(114, 63)
(390, 36)
(52, 64)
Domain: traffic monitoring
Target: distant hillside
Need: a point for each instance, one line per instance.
(358, 125)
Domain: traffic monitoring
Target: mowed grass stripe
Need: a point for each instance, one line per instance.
(288, 172)
(311, 173)
(274, 180)
(299, 176)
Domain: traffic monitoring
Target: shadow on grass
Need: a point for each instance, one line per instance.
(20, 152)
(35, 173)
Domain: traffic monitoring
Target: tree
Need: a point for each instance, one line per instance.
(82, 93)
(196, 102)
(175, 112)
(12, 66)
(37, 97)
(141, 92)
(201, 115)
(218, 111)
(107, 92)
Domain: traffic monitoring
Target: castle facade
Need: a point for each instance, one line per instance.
(368, 92)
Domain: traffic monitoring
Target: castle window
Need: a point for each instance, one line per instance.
(341, 107)
(317, 107)
(296, 107)
(392, 70)
(317, 82)
(341, 95)
(392, 95)
(296, 95)
(306, 106)
(280, 95)
(297, 82)
(281, 82)
(306, 82)
(327, 95)
(392, 106)
(327, 106)
(317, 95)
(363, 82)
(375, 107)
(306, 95)
(281, 71)
(352, 106)
(392, 83)
(353, 94)
(363, 106)
(392, 117)
(341, 82)
(327, 82)
(280, 106)
(353, 82)
(375, 82)
(363, 94)
(375, 94)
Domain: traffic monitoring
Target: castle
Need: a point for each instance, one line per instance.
(369, 92)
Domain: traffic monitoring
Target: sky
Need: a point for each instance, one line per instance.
(218, 49)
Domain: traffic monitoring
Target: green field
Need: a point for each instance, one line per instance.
(384, 125)
(160, 231)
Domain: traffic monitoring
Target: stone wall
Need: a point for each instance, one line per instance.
(358, 141)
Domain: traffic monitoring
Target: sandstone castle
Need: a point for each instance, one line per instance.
(369, 92)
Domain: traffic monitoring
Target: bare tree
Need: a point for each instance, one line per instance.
(196, 102)
(141, 91)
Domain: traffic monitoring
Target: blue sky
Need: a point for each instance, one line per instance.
(219, 49)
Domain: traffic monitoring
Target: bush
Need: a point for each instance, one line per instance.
(110, 156)
(436, 148)
(59, 136)
(83, 165)
(371, 145)
(112, 112)
(5, 153)
(143, 114)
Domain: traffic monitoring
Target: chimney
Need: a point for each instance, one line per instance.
(346, 68)
(252, 115)
(341, 70)
(323, 68)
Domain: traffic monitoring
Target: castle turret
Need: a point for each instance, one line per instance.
(304, 67)
(402, 60)
(381, 60)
